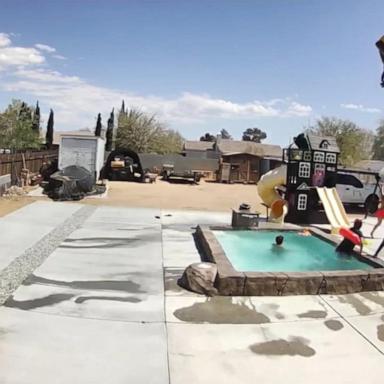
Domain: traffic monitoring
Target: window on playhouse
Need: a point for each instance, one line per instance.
(319, 167)
(318, 157)
(324, 144)
(296, 154)
(307, 156)
(302, 202)
(304, 169)
(330, 158)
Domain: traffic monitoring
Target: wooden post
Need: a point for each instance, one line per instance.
(248, 170)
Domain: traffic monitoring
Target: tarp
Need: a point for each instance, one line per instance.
(71, 183)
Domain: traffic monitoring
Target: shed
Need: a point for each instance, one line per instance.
(245, 161)
(84, 151)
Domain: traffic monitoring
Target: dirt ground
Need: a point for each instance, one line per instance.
(162, 194)
(8, 205)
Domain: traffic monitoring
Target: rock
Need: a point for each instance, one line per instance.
(15, 191)
(200, 278)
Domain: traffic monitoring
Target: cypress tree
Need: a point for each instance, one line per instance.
(98, 126)
(49, 134)
(36, 119)
(109, 135)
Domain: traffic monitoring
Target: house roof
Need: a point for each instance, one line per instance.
(323, 143)
(198, 145)
(370, 165)
(232, 147)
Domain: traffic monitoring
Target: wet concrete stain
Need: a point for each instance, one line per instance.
(297, 346)
(46, 301)
(82, 299)
(334, 325)
(275, 307)
(220, 310)
(104, 242)
(3, 332)
(109, 285)
(380, 332)
(357, 304)
(313, 314)
(374, 297)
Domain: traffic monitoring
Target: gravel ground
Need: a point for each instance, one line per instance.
(15, 273)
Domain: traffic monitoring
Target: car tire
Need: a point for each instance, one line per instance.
(371, 203)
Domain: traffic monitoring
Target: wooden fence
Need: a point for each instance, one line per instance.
(14, 163)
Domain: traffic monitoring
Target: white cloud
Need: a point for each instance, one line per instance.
(4, 40)
(11, 56)
(59, 57)
(297, 109)
(76, 101)
(361, 108)
(46, 48)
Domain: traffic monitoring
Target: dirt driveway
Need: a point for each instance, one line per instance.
(162, 194)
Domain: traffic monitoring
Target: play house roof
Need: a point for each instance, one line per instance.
(323, 143)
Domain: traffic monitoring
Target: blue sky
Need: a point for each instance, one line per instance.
(199, 65)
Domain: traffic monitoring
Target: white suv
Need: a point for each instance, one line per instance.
(352, 191)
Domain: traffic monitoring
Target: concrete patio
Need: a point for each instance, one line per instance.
(104, 307)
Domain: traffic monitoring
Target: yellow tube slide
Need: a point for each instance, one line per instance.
(266, 188)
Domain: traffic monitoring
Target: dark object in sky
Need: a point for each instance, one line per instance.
(71, 183)
(98, 126)
(380, 47)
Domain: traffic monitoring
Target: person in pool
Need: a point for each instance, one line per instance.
(278, 242)
(346, 246)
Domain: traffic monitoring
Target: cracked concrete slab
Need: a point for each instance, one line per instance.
(23, 228)
(179, 249)
(41, 348)
(99, 298)
(271, 353)
(371, 327)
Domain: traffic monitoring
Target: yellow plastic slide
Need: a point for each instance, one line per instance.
(334, 208)
(266, 188)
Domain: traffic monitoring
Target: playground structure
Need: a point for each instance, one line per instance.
(308, 176)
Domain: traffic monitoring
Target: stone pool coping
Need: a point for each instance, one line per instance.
(230, 282)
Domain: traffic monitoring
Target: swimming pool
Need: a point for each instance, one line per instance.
(255, 251)
(248, 264)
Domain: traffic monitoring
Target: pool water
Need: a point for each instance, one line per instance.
(254, 251)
